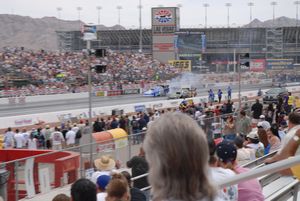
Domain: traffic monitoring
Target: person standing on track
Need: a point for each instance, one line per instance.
(220, 95)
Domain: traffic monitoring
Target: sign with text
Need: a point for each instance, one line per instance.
(279, 64)
(185, 65)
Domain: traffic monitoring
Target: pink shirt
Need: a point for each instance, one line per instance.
(249, 190)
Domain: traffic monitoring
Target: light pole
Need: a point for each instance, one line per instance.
(206, 5)
(140, 27)
(228, 5)
(297, 12)
(79, 9)
(250, 4)
(119, 14)
(297, 19)
(99, 9)
(273, 4)
(59, 9)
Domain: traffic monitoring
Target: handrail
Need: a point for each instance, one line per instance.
(267, 169)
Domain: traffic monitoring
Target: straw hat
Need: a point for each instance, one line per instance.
(105, 163)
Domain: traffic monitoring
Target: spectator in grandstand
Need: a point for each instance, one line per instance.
(243, 124)
(285, 151)
(47, 135)
(263, 123)
(229, 107)
(218, 174)
(263, 138)
(8, 139)
(104, 166)
(83, 190)
(26, 136)
(118, 189)
(270, 113)
(248, 190)
(61, 197)
(274, 138)
(114, 123)
(97, 126)
(256, 111)
(135, 193)
(244, 154)
(57, 139)
(32, 142)
(254, 143)
(70, 137)
(86, 128)
(102, 182)
(139, 166)
(187, 166)
(229, 128)
(19, 139)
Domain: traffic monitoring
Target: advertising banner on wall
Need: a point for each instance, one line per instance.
(257, 65)
(279, 64)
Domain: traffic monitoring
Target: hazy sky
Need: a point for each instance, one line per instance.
(191, 13)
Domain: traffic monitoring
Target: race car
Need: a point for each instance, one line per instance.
(160, 90)
(183, 93)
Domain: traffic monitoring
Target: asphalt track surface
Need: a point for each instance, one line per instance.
(80, 103)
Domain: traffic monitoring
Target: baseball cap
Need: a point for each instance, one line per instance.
(103, 180)
(262, 116)
(265, 125)
(253, 135)
(226, 151)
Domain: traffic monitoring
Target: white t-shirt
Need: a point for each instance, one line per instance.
(228, 193)
(26, 137)
(96, 174)
(290, 134)
(259, 149)
(70, 137)
(19, 140)
(245, 155)
(57, 138)
(9, 139)
(32, 143)
(101, 196)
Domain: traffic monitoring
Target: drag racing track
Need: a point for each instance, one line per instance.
(61, 105)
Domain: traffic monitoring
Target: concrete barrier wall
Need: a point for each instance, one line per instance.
(50, 117)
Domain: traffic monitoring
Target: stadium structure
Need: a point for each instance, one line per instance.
(262, 44)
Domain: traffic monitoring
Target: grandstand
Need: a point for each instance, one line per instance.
(261, 43)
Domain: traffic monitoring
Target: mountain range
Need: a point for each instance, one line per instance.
(40, 33)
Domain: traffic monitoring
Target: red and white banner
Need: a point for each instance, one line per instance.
(257, 65)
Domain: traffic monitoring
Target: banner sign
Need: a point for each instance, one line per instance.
(185, 65)
(131, 91)
(257, 65)
(278, 64)
(140, 108)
